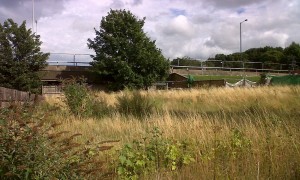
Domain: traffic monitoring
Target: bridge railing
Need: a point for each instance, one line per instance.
(69, 59)
(240, 66)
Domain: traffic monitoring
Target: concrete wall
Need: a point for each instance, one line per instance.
(58, 73)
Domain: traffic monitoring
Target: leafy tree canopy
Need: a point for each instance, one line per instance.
(20, 57)
(125, 56)
(185, 61)
(271, 56)
(292, 53)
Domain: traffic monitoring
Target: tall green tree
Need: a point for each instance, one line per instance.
(292, 55)
(293, 50)
(20, 57)
(185, 61)
(221, 57)
(125, 56)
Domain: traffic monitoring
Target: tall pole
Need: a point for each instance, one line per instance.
(241, 35)
(241, 49)
(32, 15)
(241, 38)
(36, 25)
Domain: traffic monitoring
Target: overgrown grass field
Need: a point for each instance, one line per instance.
(230, 79)
(220, 133)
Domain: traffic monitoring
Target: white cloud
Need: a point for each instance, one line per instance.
(179, 26)
(195, 28)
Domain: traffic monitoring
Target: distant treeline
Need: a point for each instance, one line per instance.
(267, 57)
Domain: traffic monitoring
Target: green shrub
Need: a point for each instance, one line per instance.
(76, 95)
(30, 150)
(81, 102)
(135, 104)
(263, 79)
(152, 154)
(97, 108)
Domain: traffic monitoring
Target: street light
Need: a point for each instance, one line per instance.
(241, 35)
(241, 49)
(33, 16)
(36, 25)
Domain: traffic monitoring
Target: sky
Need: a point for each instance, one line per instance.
(195, 28)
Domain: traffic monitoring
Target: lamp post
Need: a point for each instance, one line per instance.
(241, 48)
(33, 16)
(241, 35)
(36, 25)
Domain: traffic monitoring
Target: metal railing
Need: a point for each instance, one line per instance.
(240, 66)
(69, 59)
(76, 59)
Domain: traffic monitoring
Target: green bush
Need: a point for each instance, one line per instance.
(152, 154)
(262, 79)
(76, 95)
(81, 102)
(97, 108)
(31, 150)
(136, 104)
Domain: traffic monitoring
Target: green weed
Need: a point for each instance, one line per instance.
(31, 150)
(152, 154)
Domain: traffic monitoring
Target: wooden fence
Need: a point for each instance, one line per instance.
(55, 89)
(9, 96)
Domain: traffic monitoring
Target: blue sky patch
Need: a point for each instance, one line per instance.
(241, 10)
(177, 12)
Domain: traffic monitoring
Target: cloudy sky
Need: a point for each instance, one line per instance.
(194, 28)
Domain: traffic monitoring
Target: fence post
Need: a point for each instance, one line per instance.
(74, 59)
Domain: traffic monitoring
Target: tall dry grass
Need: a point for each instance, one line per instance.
(241, 133)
